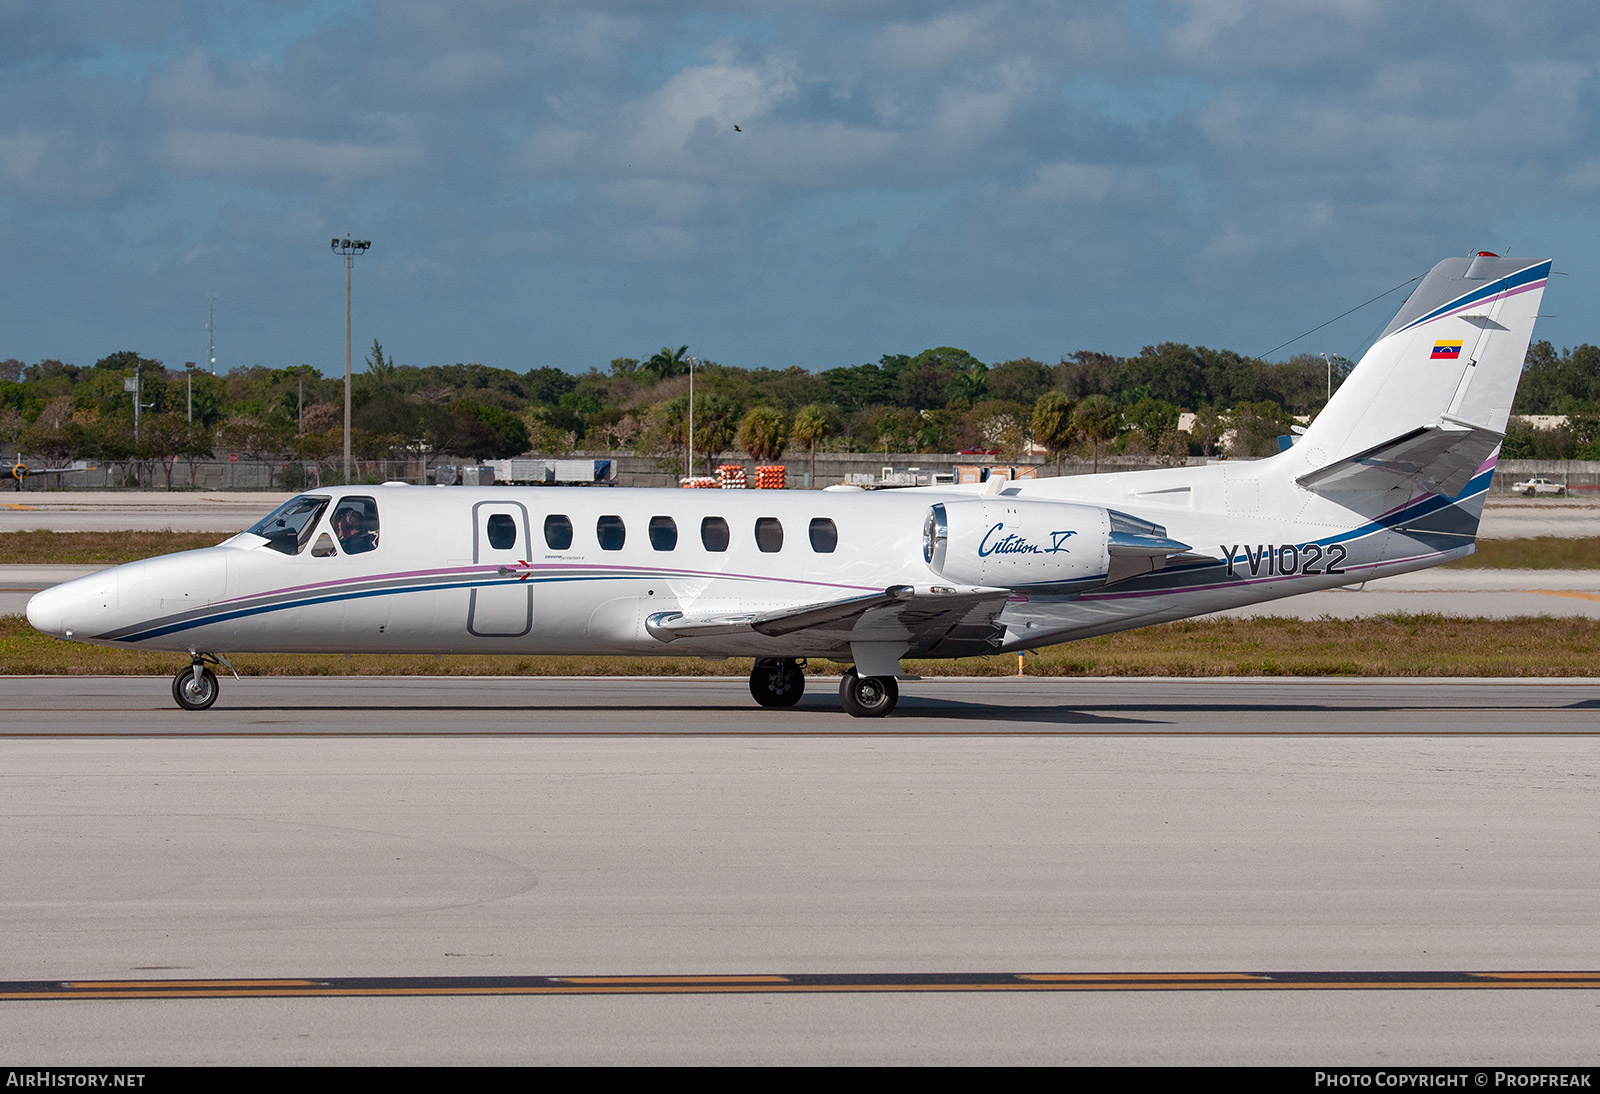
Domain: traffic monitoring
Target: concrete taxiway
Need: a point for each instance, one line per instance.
(640, 831)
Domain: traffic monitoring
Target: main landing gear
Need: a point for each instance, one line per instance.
(195, 687)
(777, 682)
(868, 696)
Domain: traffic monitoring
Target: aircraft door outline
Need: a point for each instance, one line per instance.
(505, 609)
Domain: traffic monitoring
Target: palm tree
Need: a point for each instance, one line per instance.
(972, 384)
(764, 433)
(1052, 423)
(667, 362)
(715, 423)
(1097, 419)
(811, 425)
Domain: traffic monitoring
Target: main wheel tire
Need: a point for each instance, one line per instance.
(868, 696)
(777, 682)
(195, 688)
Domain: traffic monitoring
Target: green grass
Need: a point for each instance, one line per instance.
(1538, 553)
(1394, 646)
(97, 548)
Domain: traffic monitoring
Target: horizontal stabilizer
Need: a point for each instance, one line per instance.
(1440, 459)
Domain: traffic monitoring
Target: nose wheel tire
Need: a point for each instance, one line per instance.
(777, 682)
(868, 696)
(195, 687)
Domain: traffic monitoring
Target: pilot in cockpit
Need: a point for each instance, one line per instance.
(355, 534)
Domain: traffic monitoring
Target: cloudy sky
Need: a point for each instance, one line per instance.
(776, 184)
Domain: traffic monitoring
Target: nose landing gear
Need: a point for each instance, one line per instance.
(195, 687)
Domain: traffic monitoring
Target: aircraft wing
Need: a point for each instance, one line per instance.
(1439, 458)
(921, 619)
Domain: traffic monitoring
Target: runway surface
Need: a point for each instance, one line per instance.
(649, 871)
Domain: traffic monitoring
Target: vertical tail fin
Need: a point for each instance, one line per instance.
(1430, 401)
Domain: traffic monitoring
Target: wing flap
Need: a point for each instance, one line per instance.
(917, 617)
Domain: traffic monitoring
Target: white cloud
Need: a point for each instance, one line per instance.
(1077, 183)
(195, 90)
(930, 44)
(263, 156)
(62, 167)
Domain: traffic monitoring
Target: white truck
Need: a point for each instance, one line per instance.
(1539, 486)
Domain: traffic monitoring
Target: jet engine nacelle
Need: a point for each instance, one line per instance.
(1006, 543)
(1010, 543)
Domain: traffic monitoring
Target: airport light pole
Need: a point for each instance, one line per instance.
(349, 248)
(689, 469)
(1344, 364)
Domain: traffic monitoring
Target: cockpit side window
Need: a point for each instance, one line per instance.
(355, 523)
(288, 528)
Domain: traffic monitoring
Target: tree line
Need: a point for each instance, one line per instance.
(1088, 404)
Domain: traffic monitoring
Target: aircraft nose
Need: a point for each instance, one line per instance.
(49, 611)
(65, 610)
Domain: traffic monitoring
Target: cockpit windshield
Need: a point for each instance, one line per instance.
(288, 528)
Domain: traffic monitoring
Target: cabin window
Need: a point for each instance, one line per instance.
(323, 548)
(355, 525)
(769, 534)
(288, 527)
(663, 533)
(824, 535)
(714, 534)
(611, 533)
(557, 532)
(502, 530)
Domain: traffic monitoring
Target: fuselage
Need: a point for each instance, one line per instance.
(541, 570)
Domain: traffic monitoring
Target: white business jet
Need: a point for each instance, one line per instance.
(1390, 477)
